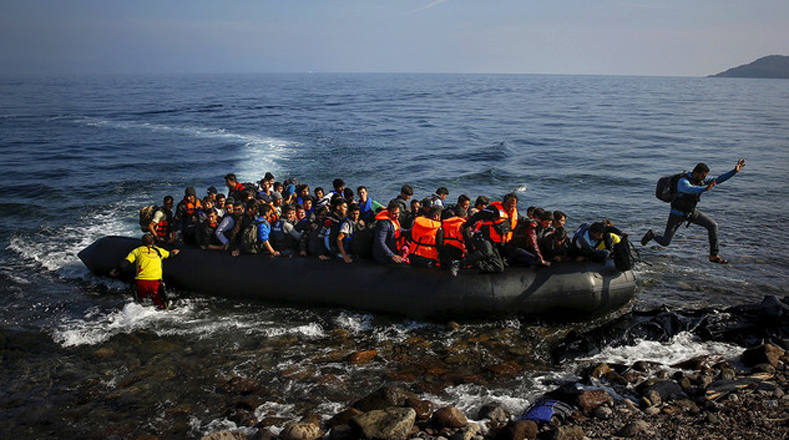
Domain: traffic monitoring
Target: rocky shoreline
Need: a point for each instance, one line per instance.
(700, 398)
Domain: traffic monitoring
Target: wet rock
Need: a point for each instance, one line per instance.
(467, 433)
(449, 417)
(632, 429)
(508, 368)
(572, 432)
(384, 398)
(301, 431)
(662, 391)
(104, 353)
(600, 370)
(603, 412)
(766, 353)
(241, 385)
(702, 363)
(343, 418)
(224, 435)
(517, 430)
(424, 408)
(362, 357)
(589, 400)
(387, 424)
(494, 413)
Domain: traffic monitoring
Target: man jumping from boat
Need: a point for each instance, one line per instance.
(689, 188)
(147, 260)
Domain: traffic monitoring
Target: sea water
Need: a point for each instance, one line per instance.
(81, 155)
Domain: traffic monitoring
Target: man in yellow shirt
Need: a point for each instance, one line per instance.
(147, 260)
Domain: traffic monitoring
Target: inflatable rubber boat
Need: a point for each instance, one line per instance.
(566, 290)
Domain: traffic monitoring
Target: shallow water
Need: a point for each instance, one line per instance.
(82, 154)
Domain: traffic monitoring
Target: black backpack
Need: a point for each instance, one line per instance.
(666, 189)
(623, 255)
(146, 216)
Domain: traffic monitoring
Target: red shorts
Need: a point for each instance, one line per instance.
(152, 288)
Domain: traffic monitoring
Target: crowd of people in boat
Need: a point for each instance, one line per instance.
(288, 219)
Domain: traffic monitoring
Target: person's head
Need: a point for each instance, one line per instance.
(212, 192)
(208, 203)
(264, 210)
(303, 191)
(545, 218)
(147, 240)
(481, 202)
(220, 201)
(278, 187)
(442, 192)
(416, 205)
(228, 208)
(700, 172)
(464, 201)
(319, 193)
(339, 207)
(268, 177)
(301, 213)
(510, 202)
(231, 181)
(348, 194)
(253, 207)
(530, 211)
(238, 208)
(434, 213)
(354, 212)
(190, 194)
(211, 216)
(338, 185)
(426, 204)
(265, 186)
(394, 210)
(362, 193)
(167, 203)
(406, 192)
(458, 211)
(596, 231)
(559, 219)
(307, 203)
(276, 198)
(289, 212)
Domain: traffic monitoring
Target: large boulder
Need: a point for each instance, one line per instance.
(394, 423)
(384, 398)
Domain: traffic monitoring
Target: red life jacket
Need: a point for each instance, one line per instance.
(384, 216)
(423, 237)
(162, 228)
(453, 232)
(500, 229)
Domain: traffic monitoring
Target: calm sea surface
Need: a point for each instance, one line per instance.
(81, 155)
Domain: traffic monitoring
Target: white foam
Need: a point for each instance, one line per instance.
(99, 326)
(682, 347)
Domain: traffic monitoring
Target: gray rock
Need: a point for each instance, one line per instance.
(301, 431)
(224, 435)
(394, 423)
(633, 428)
(571, 432)
(449, 417)
(494, 413)
(384, 398)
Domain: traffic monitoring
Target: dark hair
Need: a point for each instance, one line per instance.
(543, 214)
(458, 211)
(359, 189)
(597, 228)
(701, 167)
(354, 207)
(337, 201)
(347, 193)
(509, 196)
(407, 190)
(298, 206)
(338, 183)
(442, 190)
(433, 211)
(482, 200)
(220, 196)
(287, 208)
(268, 176)
(318, 188)
(147, 240)
(558, 214)
(264, 210)
(463, 198)
(392, 205)
(231, 177)
(168, 199)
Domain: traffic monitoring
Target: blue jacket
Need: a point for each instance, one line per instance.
(264, 229)
(686, 188)
(384, 242)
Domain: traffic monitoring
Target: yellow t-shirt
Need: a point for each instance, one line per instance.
(614, 240)
(148, 262)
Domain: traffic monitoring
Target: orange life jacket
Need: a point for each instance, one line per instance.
(384, 215)
(453, 232)
(423, 237)
(500, 229)
(191, 208)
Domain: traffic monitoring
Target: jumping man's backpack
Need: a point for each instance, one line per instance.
(146, 216)
(666, 189)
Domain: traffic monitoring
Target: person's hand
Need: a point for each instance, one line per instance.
(740, 165)
(114, 273)
(711, 185)
(397, 259)
(545, 263)
(175, 251)
(275, 254)
(235, 253)
(347, 259)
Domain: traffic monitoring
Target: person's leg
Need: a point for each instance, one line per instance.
(673, 223)
(519, 257)
(711, 225)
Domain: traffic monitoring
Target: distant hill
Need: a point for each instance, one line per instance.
(773, 66)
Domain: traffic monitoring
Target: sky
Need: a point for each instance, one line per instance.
(575, 37)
